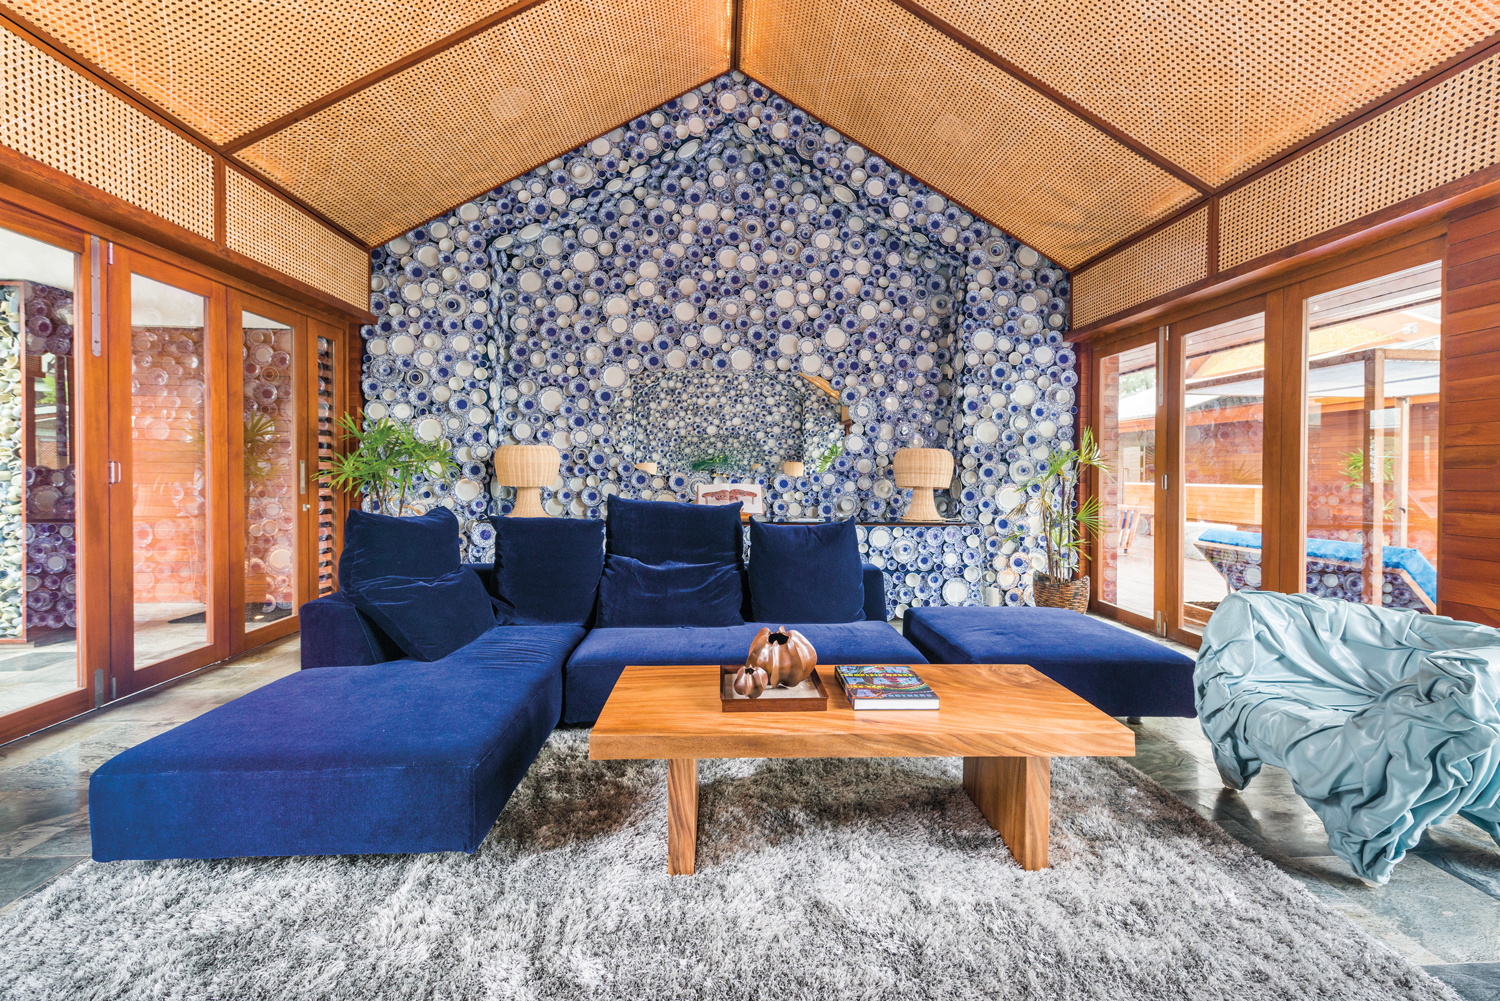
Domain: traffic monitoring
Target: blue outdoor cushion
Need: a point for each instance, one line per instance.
(633, 593)
(666, 532)
(1122, 673)
(428, 618)
(547, 569)
(377, 545)
(596, 665)
(336, 761)
(806, 573)
(1421, 570)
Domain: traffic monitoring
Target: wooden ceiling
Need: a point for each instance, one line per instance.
(1072, 127)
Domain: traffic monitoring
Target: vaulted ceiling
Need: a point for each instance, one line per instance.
(1071, 126)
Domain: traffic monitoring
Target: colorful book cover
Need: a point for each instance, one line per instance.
(884, 686)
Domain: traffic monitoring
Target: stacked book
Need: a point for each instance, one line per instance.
(884, 686)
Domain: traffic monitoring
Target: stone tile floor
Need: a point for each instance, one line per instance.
(1441, 908)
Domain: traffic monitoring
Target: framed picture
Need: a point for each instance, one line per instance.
(752, 495)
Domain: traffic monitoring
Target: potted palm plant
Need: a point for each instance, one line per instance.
(387, 461)
(1061, 523)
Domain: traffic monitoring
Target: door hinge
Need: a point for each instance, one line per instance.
(302, 474)
(114, 472)
(1164, 481)
(1161, 624)
(98, 687)
(111, 253)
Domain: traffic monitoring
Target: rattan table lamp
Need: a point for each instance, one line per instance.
(923, 469)
(528, 468)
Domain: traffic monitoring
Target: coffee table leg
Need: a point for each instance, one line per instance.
(1014, 795)
(682, 815)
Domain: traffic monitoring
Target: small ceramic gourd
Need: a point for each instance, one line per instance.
(749, 681)
(786, 656)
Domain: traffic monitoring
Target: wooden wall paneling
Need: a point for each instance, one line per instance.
(1469, 419)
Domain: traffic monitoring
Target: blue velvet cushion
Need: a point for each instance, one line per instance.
(377, 545)
(633, 593)
(428, 618)
(547, 569)
(806, 573)
(665, 532)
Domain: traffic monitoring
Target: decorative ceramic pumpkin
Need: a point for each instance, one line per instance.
(750, 681)
(786, 656)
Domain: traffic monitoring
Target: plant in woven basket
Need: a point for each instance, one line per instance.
(387, 462)
(1057, 519)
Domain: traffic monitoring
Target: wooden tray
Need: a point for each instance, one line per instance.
(808, 697)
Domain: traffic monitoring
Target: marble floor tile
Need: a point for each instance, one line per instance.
(1448, 916)
(19, 876)
(1470, 981)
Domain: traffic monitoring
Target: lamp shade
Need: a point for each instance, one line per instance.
(923, 470)
(528, 468)
(923, 467)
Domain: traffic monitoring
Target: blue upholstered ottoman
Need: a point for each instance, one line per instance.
(403, 757)
(1120, 672)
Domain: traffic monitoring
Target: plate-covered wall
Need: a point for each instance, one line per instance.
(726, 235)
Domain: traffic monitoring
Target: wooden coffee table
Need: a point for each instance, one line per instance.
(1007, 721)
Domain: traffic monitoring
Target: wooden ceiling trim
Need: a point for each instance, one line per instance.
(385, 72)
(989, 55)
(736, 10)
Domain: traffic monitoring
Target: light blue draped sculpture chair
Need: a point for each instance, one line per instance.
(1387, 720)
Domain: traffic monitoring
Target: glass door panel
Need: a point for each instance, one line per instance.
(1372, 440)
(39, 401)
(268, 350)
(1222, 440)
(1128, 397)
(169, 471)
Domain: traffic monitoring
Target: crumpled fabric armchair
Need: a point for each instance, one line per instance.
(1387, 720)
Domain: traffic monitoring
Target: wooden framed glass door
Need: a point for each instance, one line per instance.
(1127, 405)
(269, 523)
(1212, 529)
(54, 626)
(170, 434)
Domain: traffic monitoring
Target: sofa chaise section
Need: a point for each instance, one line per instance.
(398, 757)
(1119, 672)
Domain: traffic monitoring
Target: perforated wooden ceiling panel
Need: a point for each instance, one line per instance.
(227, 67)
(273, 231)
(1221, 87)
(960, 124)
(54, 115)
(492, 107)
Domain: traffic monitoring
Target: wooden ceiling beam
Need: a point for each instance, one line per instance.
(1046, 90)
(384, 73)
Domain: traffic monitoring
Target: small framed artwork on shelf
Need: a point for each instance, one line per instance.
(751, 495)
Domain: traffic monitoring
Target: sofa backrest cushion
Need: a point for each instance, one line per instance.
(633, 593)
(428, 617)
(377, 545)
(657, 532)
(806, 573)
(547, 569)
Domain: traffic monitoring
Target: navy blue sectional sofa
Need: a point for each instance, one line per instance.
(372, 749)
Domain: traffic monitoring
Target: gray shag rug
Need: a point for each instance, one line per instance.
(819, 879)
